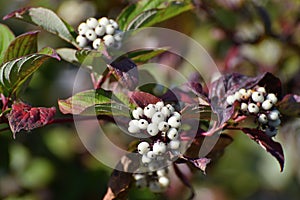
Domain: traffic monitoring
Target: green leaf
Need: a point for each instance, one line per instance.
(22, 45)
(6, 36)
(91, 102)
(68, 55)
(47, 20)
(146, 13)
(15, 72)
(142, 56)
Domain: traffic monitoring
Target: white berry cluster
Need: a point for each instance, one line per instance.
(93, 32)
(157, 181)
(261, 104)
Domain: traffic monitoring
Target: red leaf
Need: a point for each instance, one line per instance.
(25, 117)
(267, 143)
(142, 99)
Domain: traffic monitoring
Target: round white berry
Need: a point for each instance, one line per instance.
(163, 126)
(143, 124)
(103, 21)
(82, 28)
(246, 95)
(109, 29)
(90, 35)
(272, 97)
(118, 36)
(96, 43)
(146, 159)
(159, 105)
(172, 134)
(230, 99)
(108, 40)
(274, 123)
(262, 118)
(170, 107)
(143, 148)
(242, 91)
(158, 117)
(237, 96)
(137, 113)
(149, 110)
(257, 97)
(152, 129)
(138, 176)
(274, 115)
(164, 181)
(261, 89)
(253, 108)
(133, 129)
(174, 144)
(267, 104)
(114, 23)
(165, 111)
(244, 107)
(134, 122)
(159, 148)
(92, 22)
(100, 30)
(151, 155)
(81, 41)
(271, 132)
(174, 122)
(161, 172)
(177, 114)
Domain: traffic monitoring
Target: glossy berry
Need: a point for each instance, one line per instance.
(109, 29)
(81, 41)
(149, 110)
(263, 119)
(100, 30)
(267, 104)
(261, 89)
(82, 28)
(108, 40)
(177, 114)
(164, 181)
(152, 129)
(174, 144)
(253, 108)
(92, 22)
(137, 113)
(165, 111)
(90, 35)
(172, 134)
(230, 99)
(151, 155)
(257, 97)
(174, 122)
(244, 107)
(114, 23)
(158, 117)
(163, 126)
(159, 105)
(159, 148)
(272, 97)
(170, 107)
(143, 148)
(143, 124)
(97, 43)
(103, 21)
(242, 91)
(274, 115)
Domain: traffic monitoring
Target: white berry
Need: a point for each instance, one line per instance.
(257, 97)
(146, 159)
(143, 148)
(109, 29)
(81, 41)
(262, 118)
(90, 35)
(118, 36)
(152, 129)
(138, 176)
(242, 91)
(253, 108)
(261, 89)
(267, 104)
(149, 110)
(161, 172)
(159, 148)
(172, 134)
(164, 181)
(92, 22)
(134, 122)
(103, 21)
(108, 40)
(159, 105)
(114, 23)
(165, 111)
(230, 99)
(274, 115)
(97, 43)
(82, 28)
(137, 113)
(272, 97)
(244, 107)
(133, 129)
(158, 117)
(163, 126)
(237, 96)
(143, 124)
(100, 30)
(177, 114)
(151, 154)
(174, 122)
(170, 107)
(174, 144)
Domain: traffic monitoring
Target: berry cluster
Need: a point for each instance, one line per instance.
(93, 32)
(157, 181)
(261, 104)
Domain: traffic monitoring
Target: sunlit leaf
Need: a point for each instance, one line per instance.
(143, 56)
(6, 36)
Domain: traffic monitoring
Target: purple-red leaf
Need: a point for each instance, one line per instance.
(267, 143)
(142, 99)
(25, 117)
(290, 105)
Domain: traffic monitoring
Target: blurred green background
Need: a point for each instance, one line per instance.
(52, 163)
